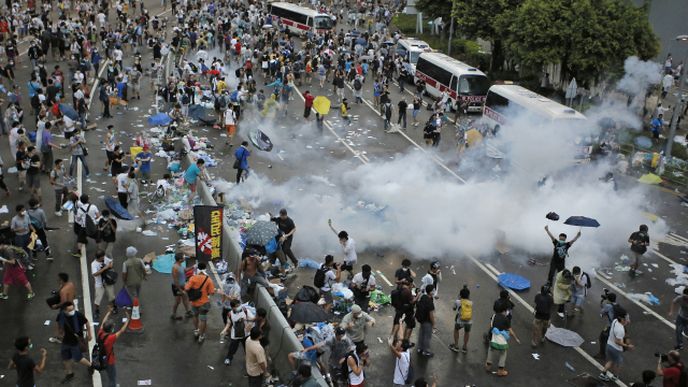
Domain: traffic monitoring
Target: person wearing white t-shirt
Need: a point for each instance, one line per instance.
(82, 209)
(99, 266)
(348, 247)
(123, 182)
(616, 346)
(402, 363)
(333, 274)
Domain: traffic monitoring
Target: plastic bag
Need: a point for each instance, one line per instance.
(380, 298)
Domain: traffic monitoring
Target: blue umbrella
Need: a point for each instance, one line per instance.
(203, 114)
(643, 142)
(160, 119)
(68, 111)
(582, 221)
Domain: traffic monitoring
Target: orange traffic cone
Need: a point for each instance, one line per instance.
(135, 325)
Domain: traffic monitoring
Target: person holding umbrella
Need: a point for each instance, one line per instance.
(561, 251)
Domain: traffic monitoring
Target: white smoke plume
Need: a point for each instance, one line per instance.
(638, 76)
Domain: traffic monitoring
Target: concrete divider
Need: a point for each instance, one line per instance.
(282, 338)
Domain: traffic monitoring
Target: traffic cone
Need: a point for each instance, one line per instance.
(135, 325)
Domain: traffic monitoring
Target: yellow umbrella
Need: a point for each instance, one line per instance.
(650, 178)
(473, 137)
(321, 105)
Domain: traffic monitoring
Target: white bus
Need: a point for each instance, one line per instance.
(464, 84)
(409, 50)
(300, 19)
(518, 99)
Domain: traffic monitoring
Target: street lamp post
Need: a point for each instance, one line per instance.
(678, 108)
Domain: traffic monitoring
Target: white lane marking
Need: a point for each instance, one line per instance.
(644, 307)
(517, 297)
(664, 257)
(379, 273)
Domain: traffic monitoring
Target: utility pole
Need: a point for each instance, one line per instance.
(451, 35)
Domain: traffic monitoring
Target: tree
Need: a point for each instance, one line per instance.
(588, 39)
(434, 8)
(486, 20)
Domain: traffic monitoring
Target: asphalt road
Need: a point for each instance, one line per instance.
(164, 348)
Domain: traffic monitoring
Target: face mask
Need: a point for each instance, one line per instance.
(31, 346)
(22, 213)
(71, 313)
(561, 242)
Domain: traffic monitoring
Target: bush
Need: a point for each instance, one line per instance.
(679, 151)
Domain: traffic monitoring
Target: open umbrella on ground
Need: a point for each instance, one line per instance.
(260, 140)
(160, 119)
(307, 312)
(69, 111)
(203, 114)
(564, 337)
(513, 281)
(261, 233)
(321, 105)
(582, 221)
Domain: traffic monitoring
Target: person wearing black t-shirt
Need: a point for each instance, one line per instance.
(34, 167)
(405, 273)
(561, 251)
(24, 363)
(543, 311)
(639, 241)
(425, 315)
(287, 229)
(72, 323)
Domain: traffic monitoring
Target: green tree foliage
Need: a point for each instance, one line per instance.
(488, 20)
(435, 8)
(588, 37)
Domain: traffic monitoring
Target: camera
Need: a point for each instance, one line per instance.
(662, 356)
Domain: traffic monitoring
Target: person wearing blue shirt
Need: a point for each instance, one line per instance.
(656, 126)
(241, 164)
(192, 174)
(143, 159)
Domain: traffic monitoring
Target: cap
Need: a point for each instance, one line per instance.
(435, 265)
(131, 251)
(356, 309)
(339, 331)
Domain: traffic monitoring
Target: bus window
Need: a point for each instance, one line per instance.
(453, 83)
(323, 23)
(473, 85)
(496, 102)
(413, 56)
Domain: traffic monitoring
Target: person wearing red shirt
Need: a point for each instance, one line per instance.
(308, 104)
(671, 373)
(108, 336)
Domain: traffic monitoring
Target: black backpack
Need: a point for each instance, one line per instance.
(99, 355)
(345, 365)
(196, 293)
(91, 228)
(588, 283)
(319, 279)
(357, 84)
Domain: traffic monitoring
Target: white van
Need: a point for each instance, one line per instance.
(409, 50)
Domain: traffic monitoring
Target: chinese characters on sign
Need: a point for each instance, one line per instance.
(208, 232)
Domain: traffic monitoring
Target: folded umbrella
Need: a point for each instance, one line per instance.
(582, 221)
(307, 312)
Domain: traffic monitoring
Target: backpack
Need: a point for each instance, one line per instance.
(357, 84)
(91, 228)
(239, 328)
(109, 277)
(35, 222)
(319, 279)
(466, 313)
(185, 99)
(588, 283)
(99, 355)
(396, 297)
(106, 231)
(195, 294)
(345, 365)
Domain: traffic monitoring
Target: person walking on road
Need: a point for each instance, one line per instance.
(123, 180)
(107, 232)
(356, 324)
(239, 323)
(15, 272)
(561, 251)
(681, 317)
(308, 99)
(463, 320)
(402, 362)
(22, 229)
(362, 284)
(72, 325)
(404, 303)
(26, 367)
(133, 272)
(639, 241)
(199, 288)
(563, 284)
(39, 223)
(355, 362)
(500, 331)
(616, 345)
(77, 144)
(543, 311)
(178, 284)
(425, 315)
(403, 106)
(103, 285)
(193, 173)
(108, 336)
(57, 181)
(241, 161)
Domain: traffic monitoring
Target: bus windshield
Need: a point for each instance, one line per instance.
(473, 85)
(413, 56)
(323, 23)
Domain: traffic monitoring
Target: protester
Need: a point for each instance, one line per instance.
(239, 324)
(109, 336)
(241, 161)
(72, 325)
(402, 362)
(39, 222)
(356, 324)
(256, 362)
(192, 174)
(178, 285)
(348, 247)
(107, 232)
(500, 333)
(57, 181)
(287, 230)
(616, 345)
(15, 272)
(639, 241)
(103, 274)
(362, 284)
(543, 311)
(24, 364)
(681, 317)
(432, 277)
(463, 320)
(562, 291)
(198, 289)
(425, 315)
(133, 272)
(561, 251)
(670, 367)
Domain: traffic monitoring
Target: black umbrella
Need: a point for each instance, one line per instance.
(552, 216)
(203, 114)
(261, 233)
(582, 221)
(308, 312)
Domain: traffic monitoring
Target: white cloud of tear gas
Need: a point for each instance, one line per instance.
(638, 76)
